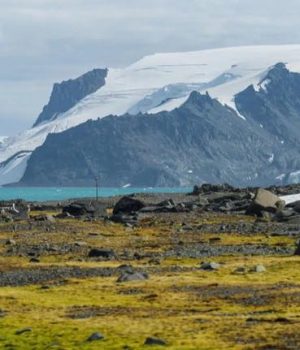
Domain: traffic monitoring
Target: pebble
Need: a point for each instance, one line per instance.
(210, 266)
(154, 341)
(134, 276)
(259, 269)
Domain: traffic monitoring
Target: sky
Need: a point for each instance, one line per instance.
(47, 41)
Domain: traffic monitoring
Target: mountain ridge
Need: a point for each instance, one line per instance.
(67, 94)
(201, 141)
(158, 83)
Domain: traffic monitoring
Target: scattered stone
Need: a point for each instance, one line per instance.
(240, 270)
(45, 287)
(14, 210)
(95, 336)
(258, 269)
(208, 188)
(155, 341)
(214, 239)
(80, 244)
(127, 276)
(102, 253)
(64, 215)
(2, 313)
(23, 330)
(210, 266)
(10, 242)
(297, 251)
(154, 261)
(85, 209)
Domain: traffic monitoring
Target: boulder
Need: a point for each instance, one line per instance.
(129, 276)
(265, 201)
(44, 218)
(210, 266)
(155, 342)
(295, 206)
(10, 242)
(258, 269)
(297, 251)
(95, 336)
(128, 205)
(102, 253)
(288, 216)
(124, 219)
(78, 209)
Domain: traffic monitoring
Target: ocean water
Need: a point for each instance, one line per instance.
(61, 193)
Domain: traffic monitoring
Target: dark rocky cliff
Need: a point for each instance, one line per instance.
(68, 93)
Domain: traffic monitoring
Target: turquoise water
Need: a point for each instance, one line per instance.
(61, 193)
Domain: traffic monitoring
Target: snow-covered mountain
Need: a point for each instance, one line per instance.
(161, 82)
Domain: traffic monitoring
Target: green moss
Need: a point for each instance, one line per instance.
(192, 309)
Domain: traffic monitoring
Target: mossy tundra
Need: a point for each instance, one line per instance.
(232, 307)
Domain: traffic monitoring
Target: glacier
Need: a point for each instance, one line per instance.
(159, 82)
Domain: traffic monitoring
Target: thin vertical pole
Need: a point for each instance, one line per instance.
(97, 188)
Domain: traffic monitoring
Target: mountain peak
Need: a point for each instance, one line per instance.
(198, 99)
(67, 94)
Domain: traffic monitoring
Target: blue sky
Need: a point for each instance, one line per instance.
(44, 41)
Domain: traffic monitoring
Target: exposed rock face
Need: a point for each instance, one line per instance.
(276, 107)
(66, 94)
(202, 141)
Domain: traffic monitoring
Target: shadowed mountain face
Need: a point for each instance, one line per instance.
(276, 106)
(68, 93)
(202, 141)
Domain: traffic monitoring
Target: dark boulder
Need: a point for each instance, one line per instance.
(297, 251)
(295, 206)
(95, 336)
(108, 254)
(127, 205)
(155, 341)
(78, 209)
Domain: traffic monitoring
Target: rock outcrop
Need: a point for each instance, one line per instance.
(68, 93)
